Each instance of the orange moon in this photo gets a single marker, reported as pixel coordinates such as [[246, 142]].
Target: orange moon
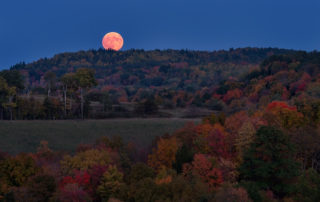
[[112, 40]]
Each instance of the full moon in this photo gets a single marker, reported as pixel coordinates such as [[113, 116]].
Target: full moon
[[112, 40]]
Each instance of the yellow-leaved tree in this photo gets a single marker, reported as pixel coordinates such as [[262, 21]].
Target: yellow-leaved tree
[[165, 153], [84, 160]]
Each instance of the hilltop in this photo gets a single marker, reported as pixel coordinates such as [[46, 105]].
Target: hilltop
[[147, 68]]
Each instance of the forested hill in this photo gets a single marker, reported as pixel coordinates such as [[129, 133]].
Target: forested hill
[[152, 68], [133, 82]]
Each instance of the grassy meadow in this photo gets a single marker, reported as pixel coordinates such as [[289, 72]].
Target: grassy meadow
[[65, 135]]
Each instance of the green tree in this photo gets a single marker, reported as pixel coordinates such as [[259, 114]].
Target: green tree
[[144, 190], [269, 163], [308, 186], [112, 184], [69, 82], [11, 102], [13, 78], [85, 160], [183, 155], [140, 171], [7, 95], [85, 79], [15, 171]]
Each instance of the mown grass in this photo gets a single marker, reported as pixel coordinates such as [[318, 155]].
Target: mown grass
[[66, 135]]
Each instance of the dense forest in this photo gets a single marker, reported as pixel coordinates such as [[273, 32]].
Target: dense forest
[[100, 84], [261, 141]]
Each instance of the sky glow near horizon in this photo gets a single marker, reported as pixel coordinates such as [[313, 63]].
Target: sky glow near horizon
[[30, 30]]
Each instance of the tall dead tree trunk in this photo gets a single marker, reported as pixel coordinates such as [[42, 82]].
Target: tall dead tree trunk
[[81, 94], [49, 90], [65, 100]]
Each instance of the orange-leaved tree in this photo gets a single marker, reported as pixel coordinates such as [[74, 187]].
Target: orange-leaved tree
[[165, 153], [283, 115]]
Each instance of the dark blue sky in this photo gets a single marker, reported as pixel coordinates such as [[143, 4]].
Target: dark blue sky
[[31, 29]]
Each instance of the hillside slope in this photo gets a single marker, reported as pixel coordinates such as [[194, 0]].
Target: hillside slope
[[167, 83], [132, 72]]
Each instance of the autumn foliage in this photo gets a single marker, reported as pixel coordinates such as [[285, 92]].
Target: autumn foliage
[[258, 139], [165, 153], [283, 115]]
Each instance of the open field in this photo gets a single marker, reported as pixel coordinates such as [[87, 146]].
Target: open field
[[25, 136]]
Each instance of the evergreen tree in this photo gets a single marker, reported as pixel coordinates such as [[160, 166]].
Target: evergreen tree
[[269, 163]]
